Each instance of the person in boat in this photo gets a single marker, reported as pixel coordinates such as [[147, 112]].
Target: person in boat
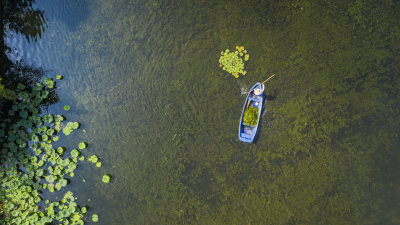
[[259, 90]]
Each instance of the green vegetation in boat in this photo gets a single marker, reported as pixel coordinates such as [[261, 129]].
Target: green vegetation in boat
[[250, 116]]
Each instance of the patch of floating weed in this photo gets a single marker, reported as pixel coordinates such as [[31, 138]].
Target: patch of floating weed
[[24, 176], [233, 62]]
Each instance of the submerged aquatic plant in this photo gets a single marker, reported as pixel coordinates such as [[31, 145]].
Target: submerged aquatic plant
[[233, 62]]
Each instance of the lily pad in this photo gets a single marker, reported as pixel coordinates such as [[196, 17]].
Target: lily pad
[[49, 82], [50, 132], [106, 178], [98, 164], [75, 153], [35, 138], [59, 77], [95, 218], [48, 118], [23, 114], [63, 182], [93, 158], [67, 107], [67, 131], [21, 86], [75, 125], [60, 150], [82, 145]]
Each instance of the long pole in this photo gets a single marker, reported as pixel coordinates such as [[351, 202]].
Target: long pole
[[268, 78]]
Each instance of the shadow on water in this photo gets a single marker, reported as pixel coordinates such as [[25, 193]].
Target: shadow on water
[[21, 17], [267, 98]]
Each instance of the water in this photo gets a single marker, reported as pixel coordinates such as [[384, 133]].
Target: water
[[143, 79]]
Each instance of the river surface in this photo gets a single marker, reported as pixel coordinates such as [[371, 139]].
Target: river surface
[[143, 79]]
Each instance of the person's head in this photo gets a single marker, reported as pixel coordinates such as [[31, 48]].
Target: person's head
[[259, 90]]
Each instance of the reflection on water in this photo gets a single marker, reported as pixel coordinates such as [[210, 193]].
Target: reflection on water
[[142, 77]]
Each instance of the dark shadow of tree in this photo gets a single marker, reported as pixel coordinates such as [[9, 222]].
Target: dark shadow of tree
[[20, 17]]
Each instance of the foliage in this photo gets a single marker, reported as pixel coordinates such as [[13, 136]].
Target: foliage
[[67, 107], [6, 93], [24, 176], [106, 178], [250, 116], [233, 62], [82, 145], [95, 218], [93, 158]]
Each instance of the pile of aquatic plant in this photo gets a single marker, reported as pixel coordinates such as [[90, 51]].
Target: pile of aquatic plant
[[233, 62], [250, 116], [31, 162]]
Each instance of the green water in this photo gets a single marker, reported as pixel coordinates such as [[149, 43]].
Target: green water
[[143, 79]]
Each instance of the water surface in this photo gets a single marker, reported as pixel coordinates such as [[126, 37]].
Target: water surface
[[143, 79]]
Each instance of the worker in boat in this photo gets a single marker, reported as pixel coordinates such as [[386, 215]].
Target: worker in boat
[[259, 90]]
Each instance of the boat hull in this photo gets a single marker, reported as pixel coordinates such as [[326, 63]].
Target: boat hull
[[247, 133]]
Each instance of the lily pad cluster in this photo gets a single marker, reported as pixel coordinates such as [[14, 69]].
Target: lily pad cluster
[[71, 126], [30, 161], [250, 116], [233, 62]]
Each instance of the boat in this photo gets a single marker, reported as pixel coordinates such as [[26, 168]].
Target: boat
[[255, 98]]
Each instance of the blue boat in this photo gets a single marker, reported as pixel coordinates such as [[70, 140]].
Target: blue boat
[[255, 98]]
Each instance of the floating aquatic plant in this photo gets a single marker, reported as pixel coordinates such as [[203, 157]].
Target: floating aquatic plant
[[23, 176], [98, 164], [49, 82], [95, 218], [71, 126], [59, 77], [75, 153], [67, 107], [106, 178], [55, 138], [233, 62], [82, 145], [93, 158]]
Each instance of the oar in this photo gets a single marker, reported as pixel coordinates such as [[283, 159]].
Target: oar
[[268, 78], [263, 81]]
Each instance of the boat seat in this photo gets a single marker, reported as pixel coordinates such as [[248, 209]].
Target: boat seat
[[246, 135], [251, 127], [255, 99]]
